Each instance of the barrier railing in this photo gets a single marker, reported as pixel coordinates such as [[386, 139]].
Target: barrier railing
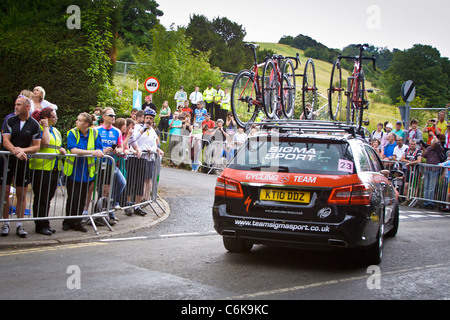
[[421, 182], [142, 181], [429, 183], [206, 153], [50, 195]]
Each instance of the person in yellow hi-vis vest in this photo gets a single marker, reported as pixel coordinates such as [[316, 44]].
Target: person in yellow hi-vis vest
[[208, 97], [46, 171], [80, 171], [226, 104], [180, 97], [218, 96]]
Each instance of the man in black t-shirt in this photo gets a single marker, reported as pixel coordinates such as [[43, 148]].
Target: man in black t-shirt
[[149, 103], [21, 136]]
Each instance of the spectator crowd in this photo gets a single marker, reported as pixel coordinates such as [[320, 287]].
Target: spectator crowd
[[31, 129], [406, 148], [198, 120]]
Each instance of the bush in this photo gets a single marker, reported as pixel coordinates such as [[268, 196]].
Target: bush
[[71, 65]]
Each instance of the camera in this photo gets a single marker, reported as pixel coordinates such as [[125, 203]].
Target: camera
[[114, 146]]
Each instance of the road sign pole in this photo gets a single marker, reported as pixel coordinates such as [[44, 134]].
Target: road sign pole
[[407, 115], [408, 94]]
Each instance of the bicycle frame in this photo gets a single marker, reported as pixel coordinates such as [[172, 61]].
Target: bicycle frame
[[256, 92], [358, 102], [256, 82], [275, 75]]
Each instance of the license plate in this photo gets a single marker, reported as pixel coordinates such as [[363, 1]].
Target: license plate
[[285, 196]]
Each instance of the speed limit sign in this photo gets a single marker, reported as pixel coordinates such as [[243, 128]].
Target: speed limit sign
[[152, 85]]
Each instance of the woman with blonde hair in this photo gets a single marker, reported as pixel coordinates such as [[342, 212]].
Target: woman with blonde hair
[[39, 99]]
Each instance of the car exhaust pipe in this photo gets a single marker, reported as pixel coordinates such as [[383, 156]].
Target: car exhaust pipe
[[337, 243], [229, 233]]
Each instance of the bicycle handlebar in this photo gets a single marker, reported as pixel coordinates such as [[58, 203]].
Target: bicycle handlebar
[[296, 59], [361, 58], [253, 47]]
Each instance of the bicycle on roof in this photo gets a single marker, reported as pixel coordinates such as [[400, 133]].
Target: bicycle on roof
[[357, 94], [272, 93]]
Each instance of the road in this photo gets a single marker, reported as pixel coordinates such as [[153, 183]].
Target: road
[[183, 259]]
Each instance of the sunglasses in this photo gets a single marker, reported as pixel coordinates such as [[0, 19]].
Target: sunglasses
[[111, 115]]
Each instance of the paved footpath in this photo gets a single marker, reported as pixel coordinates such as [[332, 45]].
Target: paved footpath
[[125, 225]]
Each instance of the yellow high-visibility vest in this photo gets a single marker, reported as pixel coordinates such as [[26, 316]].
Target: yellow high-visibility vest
[[208, 95], [218, 95], [70, 161], [226, 102], [48, 164]]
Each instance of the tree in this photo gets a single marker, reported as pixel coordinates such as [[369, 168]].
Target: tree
[[223, 38], [138, 18], [174, 62], [37, 48], [422, 64]]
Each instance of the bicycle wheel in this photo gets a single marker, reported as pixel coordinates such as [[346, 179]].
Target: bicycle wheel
[[243, 94], [335, 91], [358, 100], [270, 89], [309, 90], [288, 88]]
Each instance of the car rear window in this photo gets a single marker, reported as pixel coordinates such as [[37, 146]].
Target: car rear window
[[295, 155]]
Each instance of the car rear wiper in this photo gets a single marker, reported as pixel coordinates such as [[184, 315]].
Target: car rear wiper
[[280, 168]]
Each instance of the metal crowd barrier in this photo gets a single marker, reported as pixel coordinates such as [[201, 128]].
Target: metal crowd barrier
[[142, 180], [421, 182], [429, 183], [211, 156], [47, 195]]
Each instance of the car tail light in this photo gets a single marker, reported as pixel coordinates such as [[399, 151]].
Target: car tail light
[[358, 194], [361, 194], [340, 196], [228, 188]]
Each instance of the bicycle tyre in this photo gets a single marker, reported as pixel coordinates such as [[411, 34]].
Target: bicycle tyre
[[335, 91], [309, 90], [270, 89], [358, 108], [243, 92], [288, 89]]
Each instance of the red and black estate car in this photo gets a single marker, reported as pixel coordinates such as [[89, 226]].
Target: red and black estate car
[[315, 185]]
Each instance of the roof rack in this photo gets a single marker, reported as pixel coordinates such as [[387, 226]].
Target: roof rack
[[303, 126]]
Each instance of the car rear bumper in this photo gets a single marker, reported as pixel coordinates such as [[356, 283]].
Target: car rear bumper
[[358, 229]]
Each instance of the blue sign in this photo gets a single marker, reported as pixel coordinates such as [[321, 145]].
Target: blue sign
[[137, 100]]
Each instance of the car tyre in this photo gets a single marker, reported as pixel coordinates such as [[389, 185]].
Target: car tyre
[[237, 245], [394, 230], [374, 254]]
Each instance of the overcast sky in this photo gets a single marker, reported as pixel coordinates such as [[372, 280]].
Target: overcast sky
[[336, 24]]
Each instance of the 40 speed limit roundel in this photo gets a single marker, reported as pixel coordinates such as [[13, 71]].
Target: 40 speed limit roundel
[[152, 85]]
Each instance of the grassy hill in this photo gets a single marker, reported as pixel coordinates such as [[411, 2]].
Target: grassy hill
[[378, 111]]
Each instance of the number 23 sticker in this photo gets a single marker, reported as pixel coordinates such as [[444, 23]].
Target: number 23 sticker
[[346, 166]]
